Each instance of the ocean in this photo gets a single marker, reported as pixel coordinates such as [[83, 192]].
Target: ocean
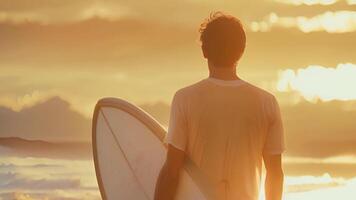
[[36, 178]]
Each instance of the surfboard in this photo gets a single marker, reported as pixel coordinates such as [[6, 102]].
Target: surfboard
[[129, 153]]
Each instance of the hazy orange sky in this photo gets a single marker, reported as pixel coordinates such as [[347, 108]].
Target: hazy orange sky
[[143, 51]]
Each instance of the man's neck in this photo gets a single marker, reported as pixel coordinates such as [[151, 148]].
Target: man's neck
[[223, 72]]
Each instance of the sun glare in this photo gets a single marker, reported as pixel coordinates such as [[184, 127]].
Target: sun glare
[[331, 22], [318, 82], [314, 2], [323, 187]]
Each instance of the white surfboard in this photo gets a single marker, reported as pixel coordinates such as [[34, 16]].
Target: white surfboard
[[129, 153]]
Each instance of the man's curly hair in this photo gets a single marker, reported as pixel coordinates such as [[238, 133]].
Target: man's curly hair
[[222, 38]]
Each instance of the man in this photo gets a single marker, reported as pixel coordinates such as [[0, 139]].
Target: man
[[224, 125]]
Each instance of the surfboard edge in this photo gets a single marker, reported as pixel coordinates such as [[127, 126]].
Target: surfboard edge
[[135, 112]]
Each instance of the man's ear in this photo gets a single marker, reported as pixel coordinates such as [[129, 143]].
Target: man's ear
[[205, 54]]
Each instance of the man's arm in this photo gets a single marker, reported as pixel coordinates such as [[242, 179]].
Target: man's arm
[[168, 178], [274, 176]]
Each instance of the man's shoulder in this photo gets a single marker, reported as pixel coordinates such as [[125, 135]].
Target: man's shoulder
[[260, 92], [190, 89], [199, 87]]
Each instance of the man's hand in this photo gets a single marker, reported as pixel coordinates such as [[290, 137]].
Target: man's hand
[[168, 178], [274, 177]]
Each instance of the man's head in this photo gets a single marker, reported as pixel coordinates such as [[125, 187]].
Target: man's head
[[223, 39]]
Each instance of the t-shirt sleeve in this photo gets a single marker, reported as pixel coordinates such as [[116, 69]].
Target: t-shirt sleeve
[[274, 143], [177, 129]]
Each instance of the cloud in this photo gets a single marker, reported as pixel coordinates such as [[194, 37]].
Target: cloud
[[51, 120], [54, 120], [24, 101], [60, 11], [317, 82], [331, 22], [188, 13], [315, 2], [88, 43], [17, 18]]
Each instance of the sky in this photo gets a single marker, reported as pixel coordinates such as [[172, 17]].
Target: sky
[[59, 57]]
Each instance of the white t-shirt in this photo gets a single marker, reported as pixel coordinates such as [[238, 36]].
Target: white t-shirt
[[224, 127]]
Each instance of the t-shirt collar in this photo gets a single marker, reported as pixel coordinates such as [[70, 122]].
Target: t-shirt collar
[[217, 81]]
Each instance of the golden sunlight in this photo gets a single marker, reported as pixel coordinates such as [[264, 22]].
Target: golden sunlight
[[314, 2], [331, 22], [318, 82], [179, 62], [316, 187]]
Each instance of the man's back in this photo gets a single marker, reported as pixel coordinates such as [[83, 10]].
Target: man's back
[[224, 127]]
